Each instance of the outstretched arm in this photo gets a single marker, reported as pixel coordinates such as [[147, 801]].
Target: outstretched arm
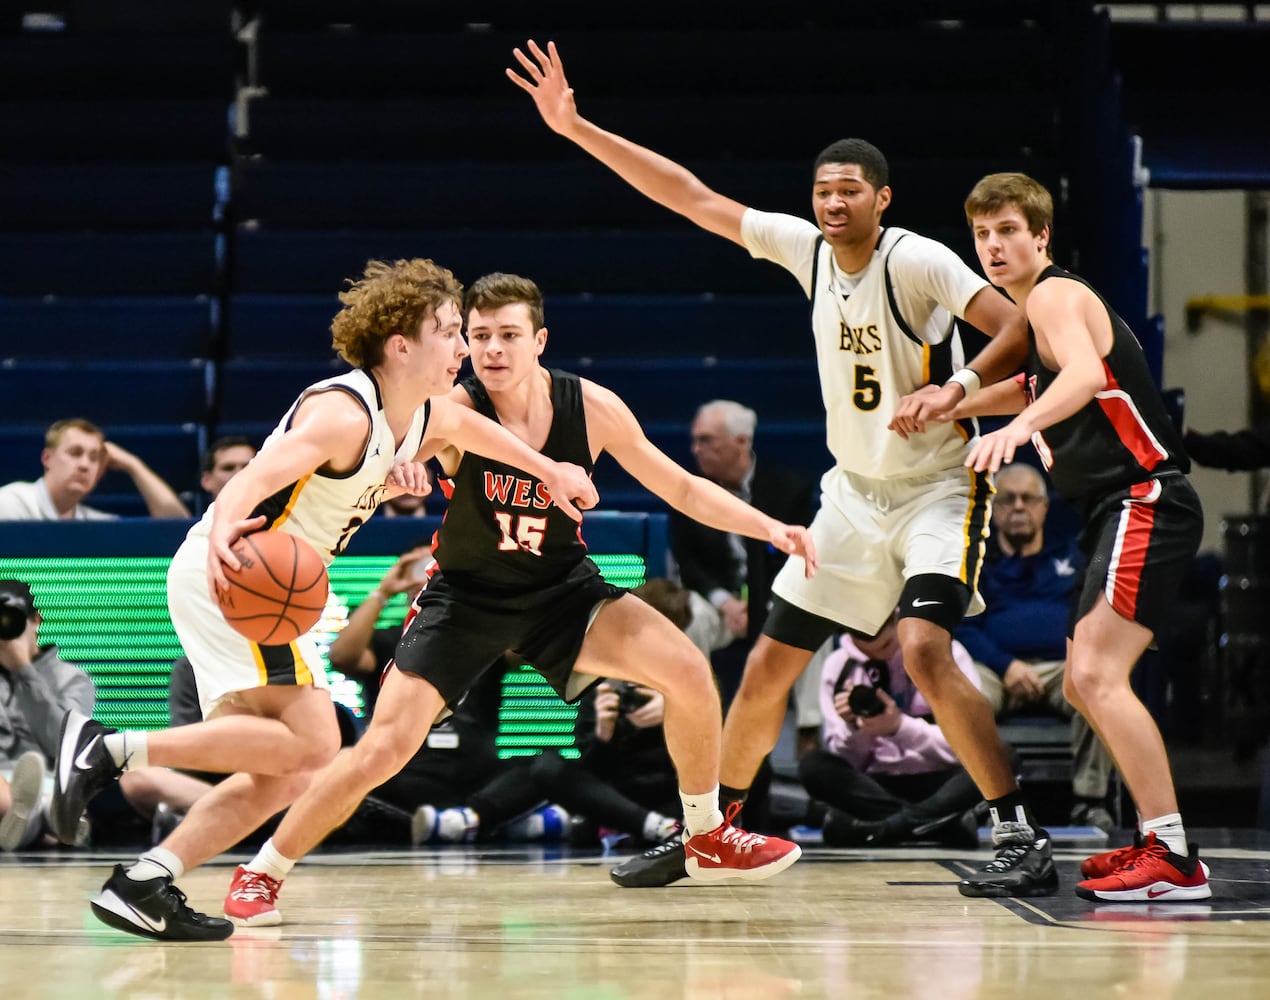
[[613, 428], [1001, 320], [458, 425], [1063, 332], [652, 174]]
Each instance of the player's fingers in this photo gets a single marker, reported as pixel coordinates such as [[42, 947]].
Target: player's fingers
[[568, 507], [543, 58]]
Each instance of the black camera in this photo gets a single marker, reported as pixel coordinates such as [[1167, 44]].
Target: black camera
[[629, 697], [12, 617], [865, 702]]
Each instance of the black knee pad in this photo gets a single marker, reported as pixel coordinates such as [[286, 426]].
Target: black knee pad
[[936, 598]]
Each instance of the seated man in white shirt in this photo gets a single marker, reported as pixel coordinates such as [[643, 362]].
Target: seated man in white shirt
[[76, 454]]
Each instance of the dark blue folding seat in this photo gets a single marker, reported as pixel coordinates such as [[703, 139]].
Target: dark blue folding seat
[[160, 130], [171, 263], [106, 392], [111, 197], [681, 260], [259, 392], [134, 327]]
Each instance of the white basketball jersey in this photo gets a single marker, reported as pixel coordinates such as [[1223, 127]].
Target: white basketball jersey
[[324, 509], [880, 333]]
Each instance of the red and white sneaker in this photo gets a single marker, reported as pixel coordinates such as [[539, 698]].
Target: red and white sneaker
[[728, 852], [1152, 874], [253, 899], [1102, 865]]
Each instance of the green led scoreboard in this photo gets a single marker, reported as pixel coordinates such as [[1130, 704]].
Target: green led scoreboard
[[102, 591]]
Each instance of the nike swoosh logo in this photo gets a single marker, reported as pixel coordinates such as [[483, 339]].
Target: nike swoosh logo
[[82, 762], [709, 857], [158, 926], [1156, 894], [917, 603]]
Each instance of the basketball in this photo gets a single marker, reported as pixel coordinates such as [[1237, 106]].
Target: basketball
[[280, 591]]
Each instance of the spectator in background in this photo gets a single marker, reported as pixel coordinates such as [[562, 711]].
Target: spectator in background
[[360, 650], [222, 461], [76, 454], [1020, 642], [735, 573], [887, 772], [1234, 451], [37, 687], [624, 779]]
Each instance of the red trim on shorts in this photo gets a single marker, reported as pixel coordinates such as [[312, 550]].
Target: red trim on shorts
[[1137, 523]]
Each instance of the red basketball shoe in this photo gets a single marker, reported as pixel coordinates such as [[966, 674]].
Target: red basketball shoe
[[1102, 865], [728, 852], [253, 899], [1152, 874]]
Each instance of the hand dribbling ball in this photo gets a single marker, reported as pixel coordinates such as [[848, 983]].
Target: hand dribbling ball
[[280, 591]]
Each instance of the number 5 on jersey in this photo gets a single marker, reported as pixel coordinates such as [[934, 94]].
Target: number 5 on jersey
[[868, 390]]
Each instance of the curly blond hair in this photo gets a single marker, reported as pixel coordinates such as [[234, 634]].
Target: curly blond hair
[[389, 299]]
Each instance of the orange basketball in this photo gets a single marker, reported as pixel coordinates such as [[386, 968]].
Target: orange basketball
[[280, 591]]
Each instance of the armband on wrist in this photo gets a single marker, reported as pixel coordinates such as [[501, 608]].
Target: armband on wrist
[[378, 596], [968, 379]]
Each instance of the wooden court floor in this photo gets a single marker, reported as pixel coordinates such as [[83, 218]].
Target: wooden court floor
[[472, 922]]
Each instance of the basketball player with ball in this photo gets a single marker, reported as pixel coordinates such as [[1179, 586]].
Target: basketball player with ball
[[346, 444], [514, 574]]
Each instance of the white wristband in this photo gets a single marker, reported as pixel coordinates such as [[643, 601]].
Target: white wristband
[[968, 379]]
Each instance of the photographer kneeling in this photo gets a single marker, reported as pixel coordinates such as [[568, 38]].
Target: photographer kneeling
[[887, 774]]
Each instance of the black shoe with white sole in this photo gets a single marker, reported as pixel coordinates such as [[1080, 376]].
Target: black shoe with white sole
[[84, 767], [155, 908], [662, 865]]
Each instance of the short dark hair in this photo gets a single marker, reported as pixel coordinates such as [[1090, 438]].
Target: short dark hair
[[498, 289], [863, 154], [219, 445]]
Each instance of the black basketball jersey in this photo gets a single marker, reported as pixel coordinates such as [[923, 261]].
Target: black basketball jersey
[[1120, 437], [501, 532]]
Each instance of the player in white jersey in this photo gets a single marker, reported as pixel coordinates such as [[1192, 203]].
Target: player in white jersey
[[901, 520], [346, 445]]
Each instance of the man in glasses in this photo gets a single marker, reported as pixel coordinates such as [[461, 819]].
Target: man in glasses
[[1020, 643]]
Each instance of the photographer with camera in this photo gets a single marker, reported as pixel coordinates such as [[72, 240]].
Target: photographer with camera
[[887, 774], [37, 687]]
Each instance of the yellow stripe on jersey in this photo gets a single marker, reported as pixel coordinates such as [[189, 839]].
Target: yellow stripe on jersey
[[291, 501], [975, 527], [262, 671], [303, 675], [925, 364]]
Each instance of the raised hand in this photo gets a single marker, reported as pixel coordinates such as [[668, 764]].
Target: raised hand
[[545, 82]]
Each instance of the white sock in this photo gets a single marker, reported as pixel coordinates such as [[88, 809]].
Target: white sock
[[701, 812], [129, 749], [1169, 831], [156, 863], [268, 861]]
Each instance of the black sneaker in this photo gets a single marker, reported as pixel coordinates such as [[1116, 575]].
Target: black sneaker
[[959, 830], [155, 908], [1023, 865], [656, 867], [84, 767]]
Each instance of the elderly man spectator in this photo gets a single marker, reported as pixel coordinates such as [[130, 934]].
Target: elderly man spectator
[[76, 454]]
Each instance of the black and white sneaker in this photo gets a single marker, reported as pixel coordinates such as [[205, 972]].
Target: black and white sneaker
[[155, 908], [662, 865], [84, 767], [1024, 865]]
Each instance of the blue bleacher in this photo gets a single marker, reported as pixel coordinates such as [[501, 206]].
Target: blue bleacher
[[113, 197], [159, 130], [106, 392], [133, 327], [88, 264]]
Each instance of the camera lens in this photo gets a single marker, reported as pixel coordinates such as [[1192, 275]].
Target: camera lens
[[12, 620], [864, 701]]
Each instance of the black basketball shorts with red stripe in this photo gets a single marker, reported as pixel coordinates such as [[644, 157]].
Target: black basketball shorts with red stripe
[[1139, 543]]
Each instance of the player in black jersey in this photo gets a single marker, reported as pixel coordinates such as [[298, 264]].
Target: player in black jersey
[[512, 574], [1088, 403]]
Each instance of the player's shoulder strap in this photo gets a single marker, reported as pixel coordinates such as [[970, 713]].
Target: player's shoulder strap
[[898, 316]]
